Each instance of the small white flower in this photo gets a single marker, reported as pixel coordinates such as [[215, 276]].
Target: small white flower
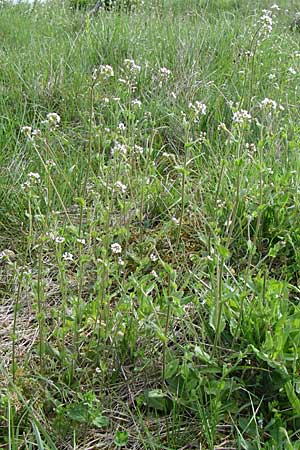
[[275, 7], [154, 273], [53, 118], [138, 149], [241, 116], [106, 71], [121, 187], [116, 248], [121, 126], [153, 257], [50, 163], [26, 131], [175, 220], [292, 71], [268, 103], [121, 262], [59, 239], [119, 149], [132, 66], [67, 256], [34, 175], [36, 133], [80, 241], [199, 108], [165, 72], [136, 103]]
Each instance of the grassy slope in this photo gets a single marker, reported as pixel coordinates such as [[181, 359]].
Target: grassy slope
[[192, 337]]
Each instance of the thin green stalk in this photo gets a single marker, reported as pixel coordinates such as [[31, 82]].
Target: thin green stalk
[[14, 332], [218, 303], [40, 316]]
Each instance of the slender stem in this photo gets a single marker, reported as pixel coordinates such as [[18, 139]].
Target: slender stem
[[40, 310], [166, 329], [14, 333], [183, 183], [218, 304]]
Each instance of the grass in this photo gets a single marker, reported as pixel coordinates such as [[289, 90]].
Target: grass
[[149, 227]]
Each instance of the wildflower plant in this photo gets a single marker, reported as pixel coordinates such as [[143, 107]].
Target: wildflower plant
[[149, 223]]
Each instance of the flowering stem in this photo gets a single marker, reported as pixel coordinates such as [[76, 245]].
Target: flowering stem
[[183, 184]]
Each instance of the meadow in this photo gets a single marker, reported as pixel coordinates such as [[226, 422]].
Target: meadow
[[150, 226]]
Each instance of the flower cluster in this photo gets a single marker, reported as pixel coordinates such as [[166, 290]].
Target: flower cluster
[[30, 133], [121, 187], [267, 103], [116, 248], [199, 108], [52, 120], [241, 116], [34, 179], [104, 71], [119, 149]]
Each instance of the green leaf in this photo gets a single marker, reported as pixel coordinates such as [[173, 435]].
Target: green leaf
[[100, 421], [171, 368], [121, 438], [156, 399], [213, 320], [39, 441], [78, 412], [223, 251]]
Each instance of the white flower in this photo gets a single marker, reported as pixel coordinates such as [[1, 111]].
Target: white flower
[[119, 148], [266, 24], [292, 71], [136, 103], [27, 131], [53, 118], [80, 241], [222, 126], [153, 257], [34, 178], [275, 7], [175, 220], [121, 126], [59, 239], [67, 256], [202, 137], [121, 262], [50, 163], [132, 66], [268, 103], [138, 149], [116, 248], [120, 186], [106, 71], [154, 274], [165, 72], [199, 108], [35, 133], [241, 116]]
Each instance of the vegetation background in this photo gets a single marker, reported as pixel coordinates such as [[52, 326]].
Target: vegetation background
[[149, 220]]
